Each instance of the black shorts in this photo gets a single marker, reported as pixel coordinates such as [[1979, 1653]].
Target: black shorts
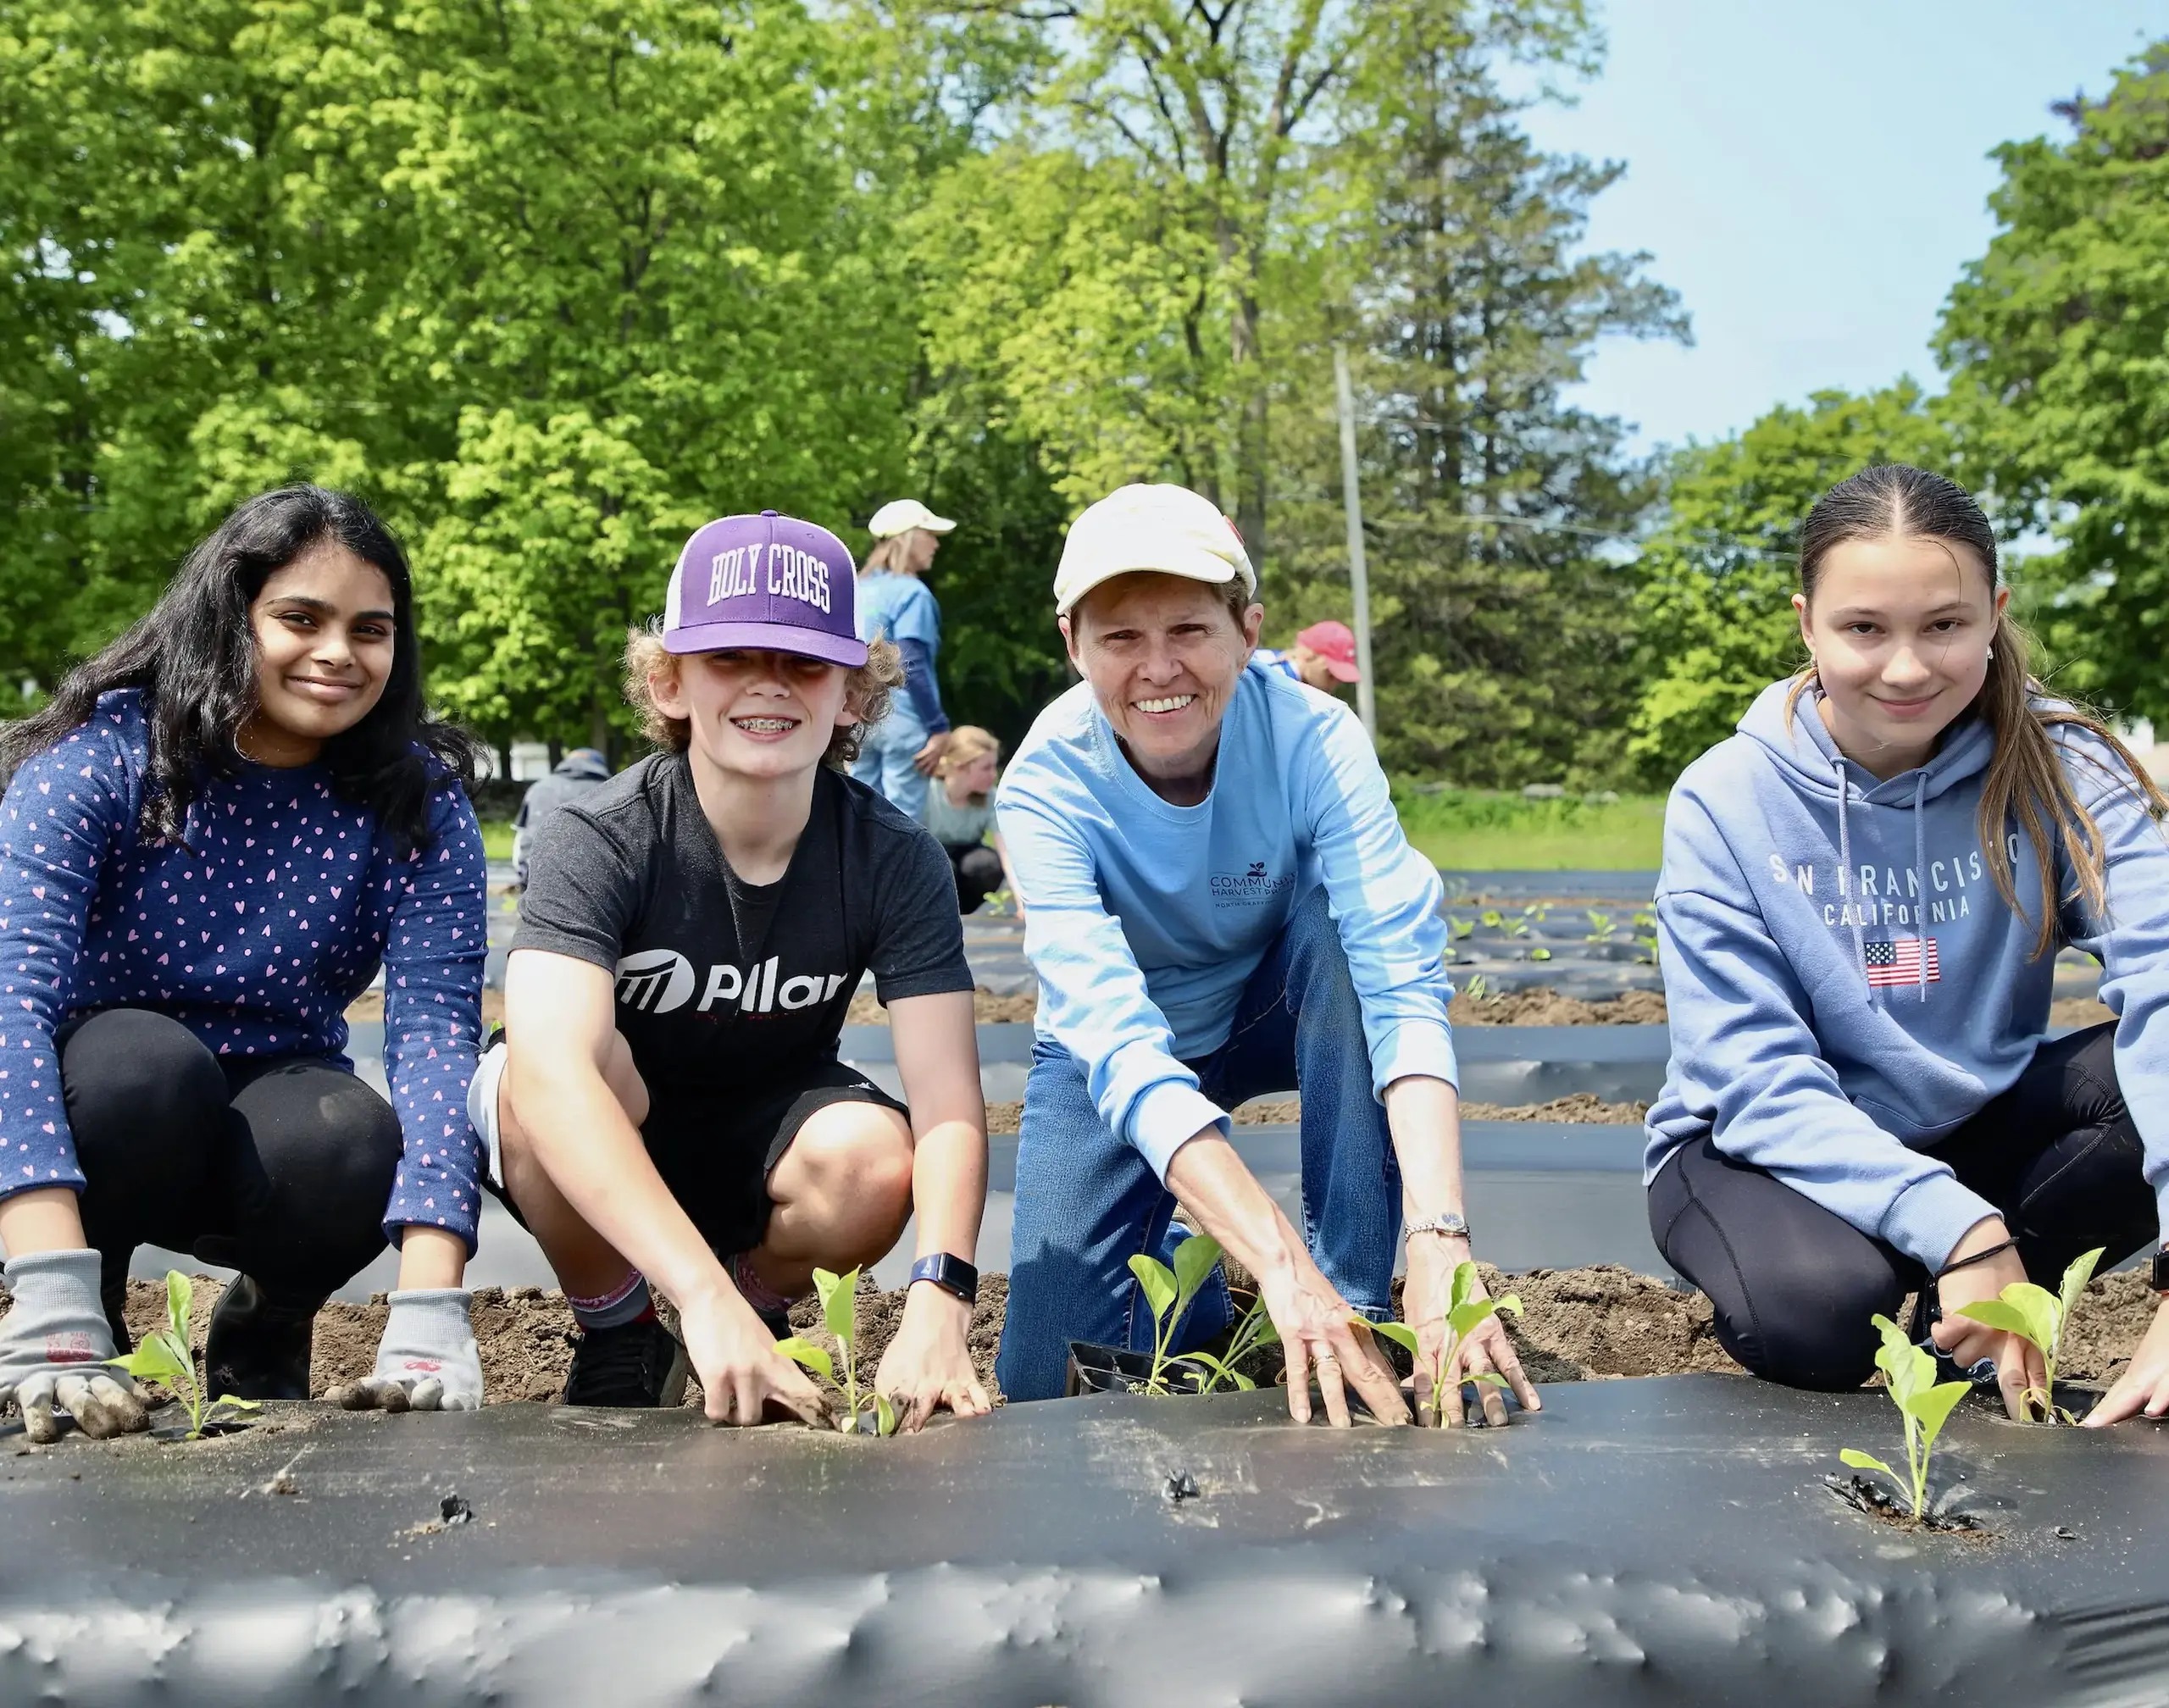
[[715, 1150]]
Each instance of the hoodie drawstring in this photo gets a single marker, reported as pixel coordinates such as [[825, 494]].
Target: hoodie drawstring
[[1846, 872], [1921, 879]]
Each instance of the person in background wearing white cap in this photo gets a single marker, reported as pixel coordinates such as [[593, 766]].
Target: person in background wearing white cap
[[1323, 656], [666, 1106], [1221, 905], [895, 605]]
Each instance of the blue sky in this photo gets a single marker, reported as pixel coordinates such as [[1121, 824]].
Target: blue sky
[[1811, 178]]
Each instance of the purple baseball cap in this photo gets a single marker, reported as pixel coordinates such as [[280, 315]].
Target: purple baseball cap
[[769, 582]]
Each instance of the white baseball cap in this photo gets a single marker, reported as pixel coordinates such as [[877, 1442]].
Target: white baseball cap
[[901, 515], [1169, 529]]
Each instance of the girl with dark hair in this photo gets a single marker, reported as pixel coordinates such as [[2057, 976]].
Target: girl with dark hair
[[212, 838], [1862, 897]]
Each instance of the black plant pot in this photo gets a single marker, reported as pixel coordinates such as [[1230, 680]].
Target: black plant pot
[[1112, 1370]]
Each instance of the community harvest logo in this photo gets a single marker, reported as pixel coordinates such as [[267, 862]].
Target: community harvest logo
[[1252, 888]]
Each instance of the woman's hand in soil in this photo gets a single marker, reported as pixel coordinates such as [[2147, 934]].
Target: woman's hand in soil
[[53, 1342], [1316, 1332], [1486, 1348], [2144, 1384], [2018, 1361], [427, 1360], [928, 1363], [743, 1375]]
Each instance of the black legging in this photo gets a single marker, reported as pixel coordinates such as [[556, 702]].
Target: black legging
[[979, 872], [1794, 1286], [278, 1167]]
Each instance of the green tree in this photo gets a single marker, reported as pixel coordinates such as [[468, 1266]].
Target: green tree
[[1500, 610], [1714, 616], [2054, 341]]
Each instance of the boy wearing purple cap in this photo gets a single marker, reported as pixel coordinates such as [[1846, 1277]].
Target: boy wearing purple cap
[[667, 1108]]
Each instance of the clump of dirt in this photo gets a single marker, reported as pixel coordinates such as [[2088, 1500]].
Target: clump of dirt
[[1544, 1007], [989, 1008], [1605, 1320], [369, 1005]]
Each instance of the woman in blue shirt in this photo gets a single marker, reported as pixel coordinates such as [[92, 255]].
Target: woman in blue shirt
[[214, 836], [895, 605], [1222, 904]]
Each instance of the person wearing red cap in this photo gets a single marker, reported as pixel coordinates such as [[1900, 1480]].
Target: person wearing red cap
[[1323, 656]]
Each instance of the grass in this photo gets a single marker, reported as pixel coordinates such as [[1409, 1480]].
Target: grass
[[497, 839], [1472, 830]]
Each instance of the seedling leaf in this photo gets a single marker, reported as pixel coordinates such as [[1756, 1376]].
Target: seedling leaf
[[1195, 1259], [1998, 1314], [885, 1416], [181, 1302], [1400, 1334], [1932, 1410], [2075, 1279], [1159, 1283], [836, 1291], [1867, 1461], [801, 1350]]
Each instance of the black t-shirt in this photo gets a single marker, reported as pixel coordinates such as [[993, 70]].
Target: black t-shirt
[[725, 985]]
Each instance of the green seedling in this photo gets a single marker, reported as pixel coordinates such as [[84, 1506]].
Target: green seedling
[[840, 1310], [1538, 910], [163, 1356], [2039, 1318], [1600, 926], [1478, 987], [1465, 1310], [1493, 917], [1518, 927], [1463, 930], [1923, 1402], [1647, 943], [1645, 921], [1254, 1331], [1539, 954], [1168, 1292]]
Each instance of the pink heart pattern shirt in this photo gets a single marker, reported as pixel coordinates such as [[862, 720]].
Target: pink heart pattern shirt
[[256, 931]]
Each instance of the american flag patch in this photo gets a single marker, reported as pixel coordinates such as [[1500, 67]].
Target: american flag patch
[[1898, 962]]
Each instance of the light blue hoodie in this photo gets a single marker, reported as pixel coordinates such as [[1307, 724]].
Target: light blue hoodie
[[1790, 873]]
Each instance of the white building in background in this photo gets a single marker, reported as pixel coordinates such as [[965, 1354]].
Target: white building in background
[[531, 761]]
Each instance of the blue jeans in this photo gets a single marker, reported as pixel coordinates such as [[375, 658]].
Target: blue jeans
[[1087, 1202], [885, 758]]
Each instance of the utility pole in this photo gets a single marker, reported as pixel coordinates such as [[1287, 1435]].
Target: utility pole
[[1359, 575]]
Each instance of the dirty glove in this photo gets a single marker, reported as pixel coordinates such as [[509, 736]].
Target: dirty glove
[[427, 1360], [53, 1342]]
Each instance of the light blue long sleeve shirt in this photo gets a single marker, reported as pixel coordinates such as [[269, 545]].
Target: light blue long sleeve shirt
[[1845, 985], [1145, 920]]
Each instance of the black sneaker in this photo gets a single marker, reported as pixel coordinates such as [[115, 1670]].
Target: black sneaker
[[258, 1346], [638, 1364]]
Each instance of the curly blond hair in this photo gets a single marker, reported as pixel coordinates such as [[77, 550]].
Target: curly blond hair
[[865, 690]]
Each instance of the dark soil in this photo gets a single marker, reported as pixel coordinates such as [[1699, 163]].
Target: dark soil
[[1577, 1325]]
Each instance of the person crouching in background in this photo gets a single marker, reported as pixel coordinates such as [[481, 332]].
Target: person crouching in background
[[960, 812]]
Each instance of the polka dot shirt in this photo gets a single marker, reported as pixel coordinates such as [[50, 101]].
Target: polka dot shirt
[[255, 935]]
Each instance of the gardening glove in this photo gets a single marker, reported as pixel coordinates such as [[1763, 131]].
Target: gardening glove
[[427, 1360], [53, 1342]]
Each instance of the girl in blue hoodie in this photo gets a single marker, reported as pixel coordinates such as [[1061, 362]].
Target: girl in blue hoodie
[[1863, 894]]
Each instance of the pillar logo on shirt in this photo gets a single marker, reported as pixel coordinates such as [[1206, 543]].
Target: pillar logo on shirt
[[1251, 889], [657, 981]]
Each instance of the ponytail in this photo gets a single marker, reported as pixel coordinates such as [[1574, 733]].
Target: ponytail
[[2028, 781]]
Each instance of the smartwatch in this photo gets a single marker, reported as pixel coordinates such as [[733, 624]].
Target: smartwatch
[[2161, 1276], [950, 1274]]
